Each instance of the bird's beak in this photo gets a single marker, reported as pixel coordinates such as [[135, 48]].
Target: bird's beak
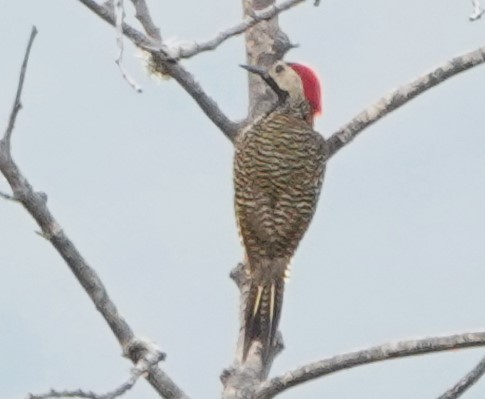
[[263, 73], [256, 70]]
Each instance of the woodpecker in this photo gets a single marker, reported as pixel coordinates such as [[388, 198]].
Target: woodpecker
[[278, 173]]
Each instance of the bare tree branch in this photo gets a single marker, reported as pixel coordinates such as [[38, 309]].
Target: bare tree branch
[[106, 13], [36, 204], [466, 382], [143, 15], [17, 104], [401, 96], [311, 371], [80, 393], [250, 20], [141, 369], [171, 67]]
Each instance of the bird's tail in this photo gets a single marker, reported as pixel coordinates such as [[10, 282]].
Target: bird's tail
[[262, 314]]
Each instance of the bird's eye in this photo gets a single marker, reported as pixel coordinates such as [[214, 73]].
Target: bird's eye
[[279, 68]]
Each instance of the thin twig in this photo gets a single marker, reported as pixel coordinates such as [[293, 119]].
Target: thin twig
[[17, 104], [401, 96], [143, 15], [249, 22], [119, 11], [140, 370], [477, 11], [80, 393], [7, 196], [311, 371], [36, 204], [466, 382]]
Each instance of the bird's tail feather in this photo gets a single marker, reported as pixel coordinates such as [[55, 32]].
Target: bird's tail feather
[[262, 314]]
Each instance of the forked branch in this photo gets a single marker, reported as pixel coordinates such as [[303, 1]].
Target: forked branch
[[36, 204], [141, 369], [249, 21], [143, 15], [171, 67]]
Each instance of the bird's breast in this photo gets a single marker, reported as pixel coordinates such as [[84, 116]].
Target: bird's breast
[[278, 158]]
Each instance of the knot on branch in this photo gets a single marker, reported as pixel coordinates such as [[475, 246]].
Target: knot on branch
[[143, 353], [42, 197], [240, 382]]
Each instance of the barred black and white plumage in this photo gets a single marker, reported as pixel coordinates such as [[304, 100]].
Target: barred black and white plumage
[[278, 174]]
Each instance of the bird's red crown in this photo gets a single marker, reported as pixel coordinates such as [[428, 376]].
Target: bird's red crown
[[311, 86]]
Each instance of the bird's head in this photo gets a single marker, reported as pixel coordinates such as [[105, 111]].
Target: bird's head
[[293, 83]]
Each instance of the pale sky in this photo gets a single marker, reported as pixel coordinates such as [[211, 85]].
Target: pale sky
[[142, 183]]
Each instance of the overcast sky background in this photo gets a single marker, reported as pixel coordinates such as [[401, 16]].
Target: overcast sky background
[[143, 185]]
